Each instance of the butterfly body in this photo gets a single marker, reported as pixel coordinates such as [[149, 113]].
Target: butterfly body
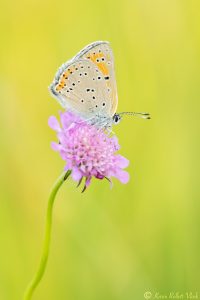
[[86, 85]]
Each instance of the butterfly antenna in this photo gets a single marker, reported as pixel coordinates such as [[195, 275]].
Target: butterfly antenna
[[143, 115]]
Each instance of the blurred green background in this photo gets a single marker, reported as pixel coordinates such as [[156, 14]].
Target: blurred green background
[[106, 244]]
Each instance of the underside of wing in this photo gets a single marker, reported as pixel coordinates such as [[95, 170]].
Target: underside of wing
[[81, 88], [87, 83], [101, 55]]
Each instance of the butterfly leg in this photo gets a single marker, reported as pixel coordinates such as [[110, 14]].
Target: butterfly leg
[[110, 131]]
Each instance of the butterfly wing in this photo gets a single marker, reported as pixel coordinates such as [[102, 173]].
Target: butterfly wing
[[86, 83], [101, 55]]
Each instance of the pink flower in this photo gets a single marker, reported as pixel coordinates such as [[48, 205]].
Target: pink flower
[[88, 151]]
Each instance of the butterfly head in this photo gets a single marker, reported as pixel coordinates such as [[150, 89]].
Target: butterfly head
[[116, 118]]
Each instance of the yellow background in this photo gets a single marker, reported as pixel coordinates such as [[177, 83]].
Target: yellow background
[[106, 244]]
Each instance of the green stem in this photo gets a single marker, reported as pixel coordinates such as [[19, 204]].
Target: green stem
[[45, 250]]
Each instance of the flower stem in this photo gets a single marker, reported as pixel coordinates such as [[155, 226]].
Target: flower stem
[[47, 237]]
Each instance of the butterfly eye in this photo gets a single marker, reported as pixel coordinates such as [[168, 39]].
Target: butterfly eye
[[116, 118]]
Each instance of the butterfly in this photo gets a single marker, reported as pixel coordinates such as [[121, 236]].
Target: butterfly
[[86, 85]]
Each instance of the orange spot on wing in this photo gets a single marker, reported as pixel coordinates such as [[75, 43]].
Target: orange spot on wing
[[58, 87], [101, 65], [65, 75]]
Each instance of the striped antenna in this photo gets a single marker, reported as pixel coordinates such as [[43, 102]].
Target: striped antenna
[[143, 115]]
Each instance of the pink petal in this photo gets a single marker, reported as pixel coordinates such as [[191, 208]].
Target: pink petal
[[53, 123], [62, 138], [67, 118], [121, 161], [64, 119], [71, 126], [122, 175], [88, 180], [115, 142], [63, 154], [68, 166], [76, 174], [55, 146]]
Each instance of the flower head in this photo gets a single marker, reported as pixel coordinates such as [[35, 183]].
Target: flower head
[[88, 151]]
